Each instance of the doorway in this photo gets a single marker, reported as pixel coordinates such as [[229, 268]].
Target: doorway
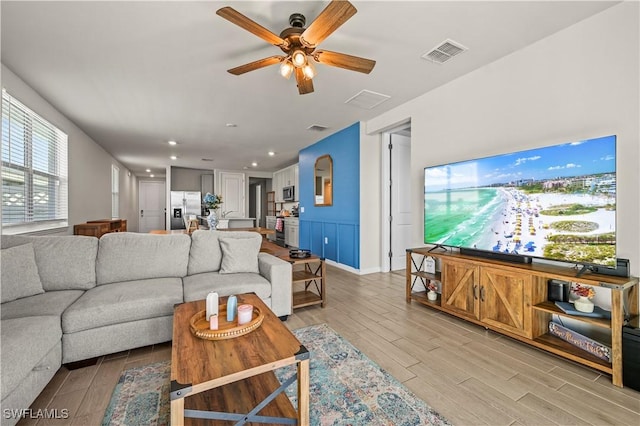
[[397, 196], [151, 201], [258, 200], [232, 191]]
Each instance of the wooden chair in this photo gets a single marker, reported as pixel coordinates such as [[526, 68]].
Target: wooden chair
[[192, 225]]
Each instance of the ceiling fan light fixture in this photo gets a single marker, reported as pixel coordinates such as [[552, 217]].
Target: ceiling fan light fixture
[[298, 58], [309, 70], [286, 69]]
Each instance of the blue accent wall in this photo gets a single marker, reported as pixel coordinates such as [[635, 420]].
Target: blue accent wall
[[333, 231]]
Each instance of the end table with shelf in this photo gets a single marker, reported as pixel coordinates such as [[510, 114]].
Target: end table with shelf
[[311, 273]]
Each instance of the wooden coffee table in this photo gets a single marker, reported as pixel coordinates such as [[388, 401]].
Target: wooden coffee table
[[233, 379]]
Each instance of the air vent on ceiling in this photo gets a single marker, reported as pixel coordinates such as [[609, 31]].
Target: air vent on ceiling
[[207, 159], [367, 99], [317, 128], [444, 52]]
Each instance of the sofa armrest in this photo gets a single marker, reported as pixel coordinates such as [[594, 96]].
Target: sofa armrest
[[278, 273]]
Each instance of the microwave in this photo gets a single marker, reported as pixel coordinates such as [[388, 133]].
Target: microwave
[[288, 193]]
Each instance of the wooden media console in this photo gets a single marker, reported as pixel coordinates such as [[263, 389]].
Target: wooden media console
[[511, 299]]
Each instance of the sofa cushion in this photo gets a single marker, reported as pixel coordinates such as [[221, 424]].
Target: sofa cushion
[[128, 256], [25, 342], [239, 255], [196, 287], [206, 254], [20, 276], [122, 302], [66, 262], [48, 303]]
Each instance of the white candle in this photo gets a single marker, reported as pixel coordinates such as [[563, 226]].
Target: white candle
[[213, 322], [212, 304], [245, 314]]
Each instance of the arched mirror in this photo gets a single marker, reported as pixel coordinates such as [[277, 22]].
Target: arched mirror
[[323, 181]]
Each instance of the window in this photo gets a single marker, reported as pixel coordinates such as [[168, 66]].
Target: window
[[34, 170], [115, 192]]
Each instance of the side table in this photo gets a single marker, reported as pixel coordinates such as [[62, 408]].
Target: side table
[[312, 275]]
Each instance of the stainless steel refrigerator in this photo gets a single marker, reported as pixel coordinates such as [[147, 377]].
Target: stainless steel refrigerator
[[183, 205]]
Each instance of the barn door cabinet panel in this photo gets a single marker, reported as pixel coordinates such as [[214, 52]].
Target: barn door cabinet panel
[[461, 294], [505, 300], [512, 299], [487, 294]]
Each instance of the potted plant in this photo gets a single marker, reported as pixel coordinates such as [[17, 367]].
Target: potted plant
[[585, 293], [432, 291]]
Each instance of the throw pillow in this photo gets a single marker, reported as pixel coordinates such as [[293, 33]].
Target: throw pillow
[[239, 255], [20, 276]]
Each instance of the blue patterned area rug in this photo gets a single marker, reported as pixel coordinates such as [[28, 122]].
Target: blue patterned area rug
[[346, 388]]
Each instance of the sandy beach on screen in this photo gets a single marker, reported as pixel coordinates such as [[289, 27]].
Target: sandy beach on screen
[[524, 210]]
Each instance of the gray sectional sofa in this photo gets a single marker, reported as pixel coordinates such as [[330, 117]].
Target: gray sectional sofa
[[71, 298]]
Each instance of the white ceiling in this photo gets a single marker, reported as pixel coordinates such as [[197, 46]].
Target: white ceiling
[[134, 75]]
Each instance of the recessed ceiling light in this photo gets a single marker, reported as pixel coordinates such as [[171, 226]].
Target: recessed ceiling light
[[271, 153], [173, 143], [173, 157], [148, 170], [231, 125], [254, 164], [151, 175]]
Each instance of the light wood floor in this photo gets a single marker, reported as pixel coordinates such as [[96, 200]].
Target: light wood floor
[[470, 375]]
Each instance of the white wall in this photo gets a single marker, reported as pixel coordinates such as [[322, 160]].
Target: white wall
[[370, 201], [184, 179], [89, 163], [579, 83]]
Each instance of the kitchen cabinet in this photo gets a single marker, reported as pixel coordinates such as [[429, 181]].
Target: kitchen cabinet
[[286, 177], [271, 224], [277, 186], [291, 232]]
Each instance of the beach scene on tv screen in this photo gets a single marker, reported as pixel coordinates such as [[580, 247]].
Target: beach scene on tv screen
[[556, 202]]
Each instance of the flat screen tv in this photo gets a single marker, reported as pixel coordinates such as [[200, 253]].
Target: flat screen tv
[[557, 202]]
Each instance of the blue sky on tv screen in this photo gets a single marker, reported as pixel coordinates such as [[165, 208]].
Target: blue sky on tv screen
[[588, 157]]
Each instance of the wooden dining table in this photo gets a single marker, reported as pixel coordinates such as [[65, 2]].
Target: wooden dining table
[[259, 229]]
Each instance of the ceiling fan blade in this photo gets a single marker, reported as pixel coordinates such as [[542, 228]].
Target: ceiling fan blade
[[333, 16], [251, 66], [233, 16], [305, 85], [342, 60]]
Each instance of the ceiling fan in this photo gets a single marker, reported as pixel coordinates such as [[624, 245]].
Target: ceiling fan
[[299, 44]]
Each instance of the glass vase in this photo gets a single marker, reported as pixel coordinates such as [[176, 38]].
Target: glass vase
[[212, 220]]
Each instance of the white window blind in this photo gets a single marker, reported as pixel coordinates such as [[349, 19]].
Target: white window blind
[[34, 170], [115, 192]]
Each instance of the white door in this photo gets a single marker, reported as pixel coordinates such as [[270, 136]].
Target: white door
[[151, 200], [400, 200], [232, 191]]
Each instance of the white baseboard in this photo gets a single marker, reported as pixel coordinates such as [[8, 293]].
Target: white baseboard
[[351, 269]]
